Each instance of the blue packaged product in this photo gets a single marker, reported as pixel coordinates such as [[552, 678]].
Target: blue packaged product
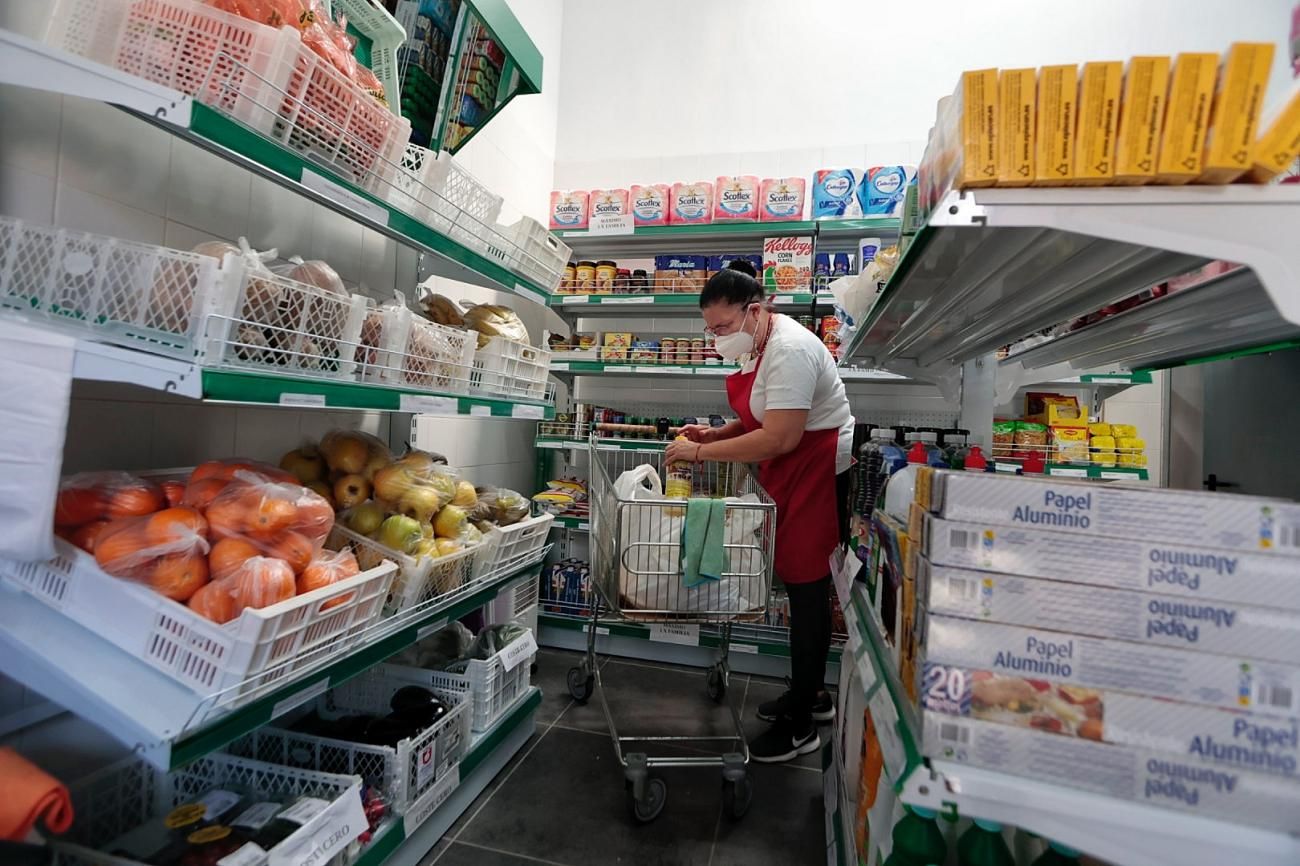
[[821, 264], [841, 264], [883, 188], [720, 263], [834, 193], [681, 263]]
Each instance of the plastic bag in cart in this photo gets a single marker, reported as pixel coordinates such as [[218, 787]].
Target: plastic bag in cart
[[650, 551]]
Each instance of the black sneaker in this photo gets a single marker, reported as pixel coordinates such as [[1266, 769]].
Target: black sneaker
[[823, 709], [781, 743]]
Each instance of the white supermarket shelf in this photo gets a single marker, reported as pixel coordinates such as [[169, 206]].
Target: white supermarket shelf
[[156, 715], [992, 266]]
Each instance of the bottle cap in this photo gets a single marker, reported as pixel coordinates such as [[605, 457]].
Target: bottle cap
[[975, 460], [1034, 464], [991, 826], [927, 436], [918, 454], [882, 433]]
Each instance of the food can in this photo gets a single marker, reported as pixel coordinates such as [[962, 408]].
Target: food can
[[584, 278], [606, 272], [697, 350], [668, 350]]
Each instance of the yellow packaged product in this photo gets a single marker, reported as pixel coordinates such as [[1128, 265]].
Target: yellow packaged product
[[1123, 430], [616, 346], [1099, 429], [1069, 445], [1234, 115], [1137, 460], [1017, 93], [1094, 154], [1187, 116], [1279, 143], [1103, 443], [1141, 118], [1104, 458], [1054, 126], [975, 109], [1130, 443]]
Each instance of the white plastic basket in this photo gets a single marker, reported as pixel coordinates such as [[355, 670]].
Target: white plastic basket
[[131, 793], [412, 352], [130, 294], [386, 36], [230, 63], [518, 604], [419, 580], [407, 773], [272, 322], [538, 255], [490, 687], [511, 368], [522, 541], [234, 663], [436, 190]]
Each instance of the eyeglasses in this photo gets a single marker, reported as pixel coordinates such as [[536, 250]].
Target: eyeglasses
[[735, 324]]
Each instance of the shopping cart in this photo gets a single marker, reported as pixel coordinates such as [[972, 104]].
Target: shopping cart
[[636, 570]]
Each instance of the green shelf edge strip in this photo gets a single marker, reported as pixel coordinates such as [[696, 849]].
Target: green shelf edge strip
[[248, 718], [831, 228], [641, 632], [688, 300], [253, 387], [1282, 346], [216, 127], [1137, 377], [395, 834]]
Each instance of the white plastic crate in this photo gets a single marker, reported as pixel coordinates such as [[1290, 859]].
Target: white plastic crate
[[235, 662], [538, 255], [407, 773], [230, 63], [523, 541], [491, 687], [131, 793], [518, 604], [511, 368], [410, 351], [135, 295], [419, 580], [272, 322], [436, 190], [386, 36]]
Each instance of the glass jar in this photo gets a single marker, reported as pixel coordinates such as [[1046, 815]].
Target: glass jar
[[606, 271], [640, 283], [584, 278], [622, 281]]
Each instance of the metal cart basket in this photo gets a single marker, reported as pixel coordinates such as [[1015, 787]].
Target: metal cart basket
[[636, 550]]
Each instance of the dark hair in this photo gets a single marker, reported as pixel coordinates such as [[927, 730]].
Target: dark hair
[[743, 266], [731, 286]]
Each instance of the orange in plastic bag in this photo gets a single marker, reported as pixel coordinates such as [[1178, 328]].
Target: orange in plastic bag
[[167, 550], [262, 582], [329, 567], [89, 496]]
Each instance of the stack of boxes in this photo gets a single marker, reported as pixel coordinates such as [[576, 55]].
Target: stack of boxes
[[423, 60], [1137, 643]]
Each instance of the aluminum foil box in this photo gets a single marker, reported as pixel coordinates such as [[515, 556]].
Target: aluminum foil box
[[1165, 568], [1244, 523], [1125, 772], [1165, 620], [1138, 669]]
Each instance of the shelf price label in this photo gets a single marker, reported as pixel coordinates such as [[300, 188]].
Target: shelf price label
[[520, 650], [324, 835], [574, 299], [886, 722], [844, 570], [525, 410], [629, 299], [1067, 472], [686, 635], [559, 365], [427, 404], [430, 800], [308, 400], [481, 410], [342, 195], [611, 224]]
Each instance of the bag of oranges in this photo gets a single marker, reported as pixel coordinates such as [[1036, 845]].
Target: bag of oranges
[[327, 568], [259, 581], [280, 519], [90, 496], [166, 550]]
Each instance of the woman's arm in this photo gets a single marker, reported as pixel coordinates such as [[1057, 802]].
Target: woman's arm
[[780, 434]]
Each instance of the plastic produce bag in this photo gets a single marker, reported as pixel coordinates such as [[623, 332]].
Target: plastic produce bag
[[258, 582], [415, 486], [442, 309], [326, 568], [281, 519], [166, 550], [494, 320], [650, 541], [493, 639], [445, 645], [91, 496], [510, 507], [312, 273], [210, 478], [352, 452]]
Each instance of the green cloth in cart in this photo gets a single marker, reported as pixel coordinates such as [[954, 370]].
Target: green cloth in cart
[[703, 532]]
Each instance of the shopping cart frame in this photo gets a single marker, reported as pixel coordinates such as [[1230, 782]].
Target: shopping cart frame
[[637, 575]]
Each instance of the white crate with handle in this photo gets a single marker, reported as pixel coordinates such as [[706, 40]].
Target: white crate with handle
[[402, 348], [538, 255], [234, 663], [511, 368], [409, 772]]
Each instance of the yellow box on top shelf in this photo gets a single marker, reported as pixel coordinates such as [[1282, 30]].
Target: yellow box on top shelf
[[975, 111], [1017, 94], [1099, 91], [1234, 116], [1141, 119], [1055, 125], [1279, 144], [1187, 116]]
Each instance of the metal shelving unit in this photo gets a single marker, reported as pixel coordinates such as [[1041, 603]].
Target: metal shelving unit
[[831, 235]]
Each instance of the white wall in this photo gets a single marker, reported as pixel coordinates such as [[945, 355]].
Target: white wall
[[770, 87], [88, 166]]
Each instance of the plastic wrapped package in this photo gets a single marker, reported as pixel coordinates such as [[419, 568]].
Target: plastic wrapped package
[[166, 550], [445, 645], [259, 581], [442, 309], [494, 320], [352, 452], [283, 519], [326, 568], [91, 496], [415, 487], [211, 477], [313, 273], [492, 639]]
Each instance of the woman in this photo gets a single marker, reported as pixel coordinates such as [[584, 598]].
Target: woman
[[795, 422]]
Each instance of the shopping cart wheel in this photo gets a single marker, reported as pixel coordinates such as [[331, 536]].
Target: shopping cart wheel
[[715, 686], [737, 794], [581, 684], [652, 800]]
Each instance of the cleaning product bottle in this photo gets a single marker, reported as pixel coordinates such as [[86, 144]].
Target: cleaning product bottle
[[878, 458], [930, 439], [983, 845], [918, 841], [677, 485], [974, 460], [901, 489], [1057, 855]]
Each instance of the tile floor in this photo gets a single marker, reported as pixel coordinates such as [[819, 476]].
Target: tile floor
[[560, 800]]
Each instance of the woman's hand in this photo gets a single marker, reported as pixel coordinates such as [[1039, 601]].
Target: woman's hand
[[699, 432], [682, 451]]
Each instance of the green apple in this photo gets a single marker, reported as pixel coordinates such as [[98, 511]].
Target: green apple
[[400, 532], [366, 517]]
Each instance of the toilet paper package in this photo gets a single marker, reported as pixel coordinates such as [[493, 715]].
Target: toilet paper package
[[780, 199], [569, 209], [835, 193], [735, 199], [608, 202], [883, 188], [1168, 569], [691, 203], [1164, 620], [649, 203]]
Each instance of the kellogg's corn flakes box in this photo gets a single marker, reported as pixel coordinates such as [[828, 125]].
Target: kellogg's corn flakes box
[[787, 264]]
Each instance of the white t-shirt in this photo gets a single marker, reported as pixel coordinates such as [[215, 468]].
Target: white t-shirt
[[798, 372]]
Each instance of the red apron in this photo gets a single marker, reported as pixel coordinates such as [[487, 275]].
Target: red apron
[[802, 484]]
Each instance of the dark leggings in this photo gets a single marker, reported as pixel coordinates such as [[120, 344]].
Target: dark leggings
[[810, 627]]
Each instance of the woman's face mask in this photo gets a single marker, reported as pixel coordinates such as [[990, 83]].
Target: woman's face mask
[[738, 342]]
